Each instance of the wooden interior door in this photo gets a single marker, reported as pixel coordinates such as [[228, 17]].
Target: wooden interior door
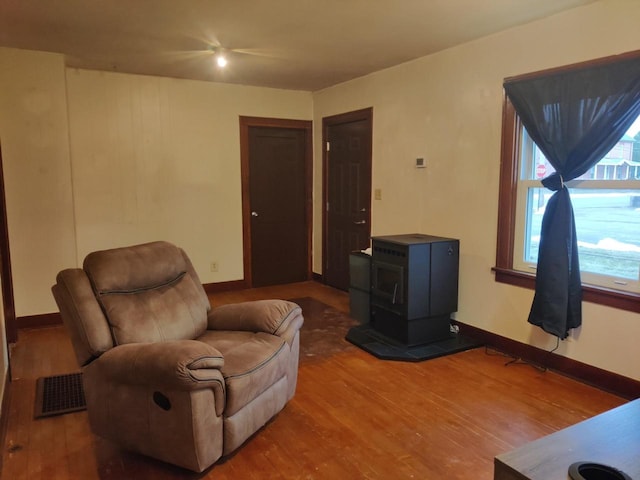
[[347, 192], [277, 209]]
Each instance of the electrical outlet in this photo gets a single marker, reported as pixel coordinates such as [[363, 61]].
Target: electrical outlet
[[214, 266]]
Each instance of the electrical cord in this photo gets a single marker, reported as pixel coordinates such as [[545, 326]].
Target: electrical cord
[[518, 360]]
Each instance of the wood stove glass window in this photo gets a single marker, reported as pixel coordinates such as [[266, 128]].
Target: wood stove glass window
[[388, 282]]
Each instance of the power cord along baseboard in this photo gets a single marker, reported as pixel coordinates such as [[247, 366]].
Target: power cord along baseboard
[[519, 360]]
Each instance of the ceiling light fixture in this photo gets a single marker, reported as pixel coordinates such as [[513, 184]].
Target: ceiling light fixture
[[219, 56], [221, 60]]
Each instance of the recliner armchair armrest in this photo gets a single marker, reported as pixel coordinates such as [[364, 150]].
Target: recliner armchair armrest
[[277, 317], [174, 365]]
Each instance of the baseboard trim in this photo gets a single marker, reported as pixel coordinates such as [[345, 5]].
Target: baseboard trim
[[316, 277], [37, 321], [612, 382], [4, 414], [225, 286]]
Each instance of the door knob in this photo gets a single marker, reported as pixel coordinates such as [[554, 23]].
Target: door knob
[[254, 214]]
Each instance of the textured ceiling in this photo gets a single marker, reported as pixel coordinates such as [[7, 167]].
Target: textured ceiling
[[292, 44]]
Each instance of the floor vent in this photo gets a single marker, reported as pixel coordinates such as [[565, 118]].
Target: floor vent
[[59, 394]]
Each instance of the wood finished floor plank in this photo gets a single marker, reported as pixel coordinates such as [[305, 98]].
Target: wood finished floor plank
[[79, 446], [402, 437], [353, 416], [340, 444], [16, 449]]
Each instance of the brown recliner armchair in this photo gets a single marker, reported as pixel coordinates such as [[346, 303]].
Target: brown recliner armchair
[[164, 374]]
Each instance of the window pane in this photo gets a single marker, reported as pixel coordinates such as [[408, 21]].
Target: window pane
[[608, 229], [607, 226], [537, 199], [534, 165], [621, 163]]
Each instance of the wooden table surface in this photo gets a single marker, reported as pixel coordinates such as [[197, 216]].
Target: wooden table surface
[[611, 438]]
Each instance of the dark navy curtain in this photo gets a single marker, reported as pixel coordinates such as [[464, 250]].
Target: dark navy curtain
[[575, 117]]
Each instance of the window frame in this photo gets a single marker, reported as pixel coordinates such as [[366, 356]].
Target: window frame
[[507, 210]]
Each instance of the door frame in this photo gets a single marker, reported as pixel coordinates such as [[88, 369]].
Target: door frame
[[327, 122], [245, 124], [10, 322]]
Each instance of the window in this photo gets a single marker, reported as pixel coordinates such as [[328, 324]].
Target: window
[[606, 205], [606, 202]]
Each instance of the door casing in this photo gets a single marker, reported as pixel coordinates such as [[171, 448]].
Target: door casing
[[11, 328]]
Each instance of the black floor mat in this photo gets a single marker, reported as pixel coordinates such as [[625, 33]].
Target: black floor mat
[[59, 394], [385, 348]]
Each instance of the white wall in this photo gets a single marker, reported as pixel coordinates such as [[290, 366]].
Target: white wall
[[34, 142], [95, 160], [159, 158], [34, 133], [447, 108]]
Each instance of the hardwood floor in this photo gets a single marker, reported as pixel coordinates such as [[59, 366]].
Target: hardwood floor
[[353, 416]]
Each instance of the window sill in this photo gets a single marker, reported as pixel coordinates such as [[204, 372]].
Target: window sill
[[611, 298]]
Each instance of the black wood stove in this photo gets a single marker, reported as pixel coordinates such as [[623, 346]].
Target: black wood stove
[[414, 287]]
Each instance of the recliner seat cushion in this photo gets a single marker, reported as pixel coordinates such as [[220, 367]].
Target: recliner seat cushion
[[253, 362]]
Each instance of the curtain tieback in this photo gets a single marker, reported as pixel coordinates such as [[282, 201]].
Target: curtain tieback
[[553, 182]]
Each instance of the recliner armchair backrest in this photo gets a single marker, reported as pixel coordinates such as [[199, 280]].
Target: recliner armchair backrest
[[143, 293], [148, 293]]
